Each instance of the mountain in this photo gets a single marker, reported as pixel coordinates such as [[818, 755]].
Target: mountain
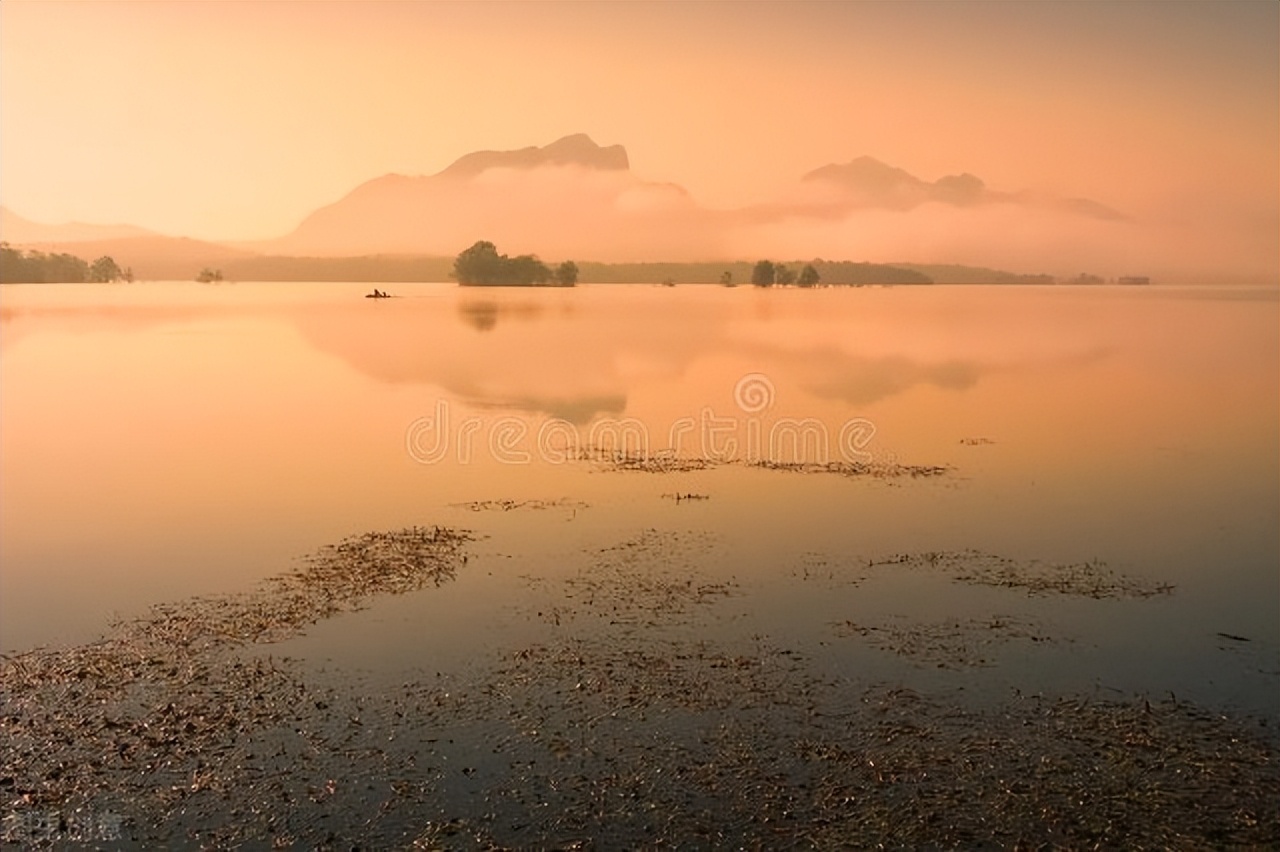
[[152, 258], [576, 199], [575, 150], [571, 198], [872, 183], [15, 229], [868, 183]]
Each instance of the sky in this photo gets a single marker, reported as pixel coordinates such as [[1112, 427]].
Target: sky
[[234, 120]]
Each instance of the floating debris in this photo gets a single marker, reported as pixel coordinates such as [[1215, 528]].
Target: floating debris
[[670, 462], [137, 722], [654, 578], [1093, 579], [179, 733], [662, 462], [1261, 656], [953, 644], [878, 470], [1038, 772], [513, 505]]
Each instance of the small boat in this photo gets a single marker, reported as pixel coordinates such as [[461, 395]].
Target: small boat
[[377, 294]]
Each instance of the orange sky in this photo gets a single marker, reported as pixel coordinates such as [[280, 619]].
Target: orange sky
[[236, 119]]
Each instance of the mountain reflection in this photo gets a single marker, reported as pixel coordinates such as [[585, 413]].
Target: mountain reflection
[[864, 381], [609, 351]]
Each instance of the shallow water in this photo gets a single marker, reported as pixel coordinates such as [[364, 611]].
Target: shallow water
[[161, 441]]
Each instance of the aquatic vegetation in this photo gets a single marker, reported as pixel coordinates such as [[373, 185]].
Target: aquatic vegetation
[[685, 497], [878, 470], [513, 505], [614, 731], [669, 462], [661, 462], [1093, 579], [951, 644]]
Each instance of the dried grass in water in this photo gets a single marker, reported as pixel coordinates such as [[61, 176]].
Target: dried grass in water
[[615, 733]]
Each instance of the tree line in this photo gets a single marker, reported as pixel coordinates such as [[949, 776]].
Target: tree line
[[766, 273], [830, 273], [37, 267], [482, 266]]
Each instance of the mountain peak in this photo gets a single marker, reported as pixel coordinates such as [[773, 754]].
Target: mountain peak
[[577, 149], [866, 173], [866, 182]]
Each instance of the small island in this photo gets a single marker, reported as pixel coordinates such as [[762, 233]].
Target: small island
[[482, 266]]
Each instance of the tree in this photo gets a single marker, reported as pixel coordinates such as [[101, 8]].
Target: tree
[[809, 276], [61, 267], [19, 267], [762, 275], [726, 278], [105, 270], [526, 270], [15, 267], [782, 275], [567, 274], [480, 264]]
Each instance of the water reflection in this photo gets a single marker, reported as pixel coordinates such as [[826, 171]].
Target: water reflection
[[579, 410], [870, 381], [483, 314], [166, 440]]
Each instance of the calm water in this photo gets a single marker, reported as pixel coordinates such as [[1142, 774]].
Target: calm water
[[167, 440]]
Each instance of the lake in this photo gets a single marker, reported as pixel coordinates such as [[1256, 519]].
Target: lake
[[979, 492]]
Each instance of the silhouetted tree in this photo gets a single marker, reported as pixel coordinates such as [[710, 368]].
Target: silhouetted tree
[[105, 270], [809, 276], [62, 267], [14, 266], [782, 275], [525, 270], [567, 274], [18, 267], [762, 275], [481, 265]]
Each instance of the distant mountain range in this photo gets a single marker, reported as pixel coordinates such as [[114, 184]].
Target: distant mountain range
[[867, 182], [15, 229], [576, 150], [150, 255], [573, 199]]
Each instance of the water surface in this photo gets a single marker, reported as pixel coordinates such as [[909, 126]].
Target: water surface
[[167, 440]]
